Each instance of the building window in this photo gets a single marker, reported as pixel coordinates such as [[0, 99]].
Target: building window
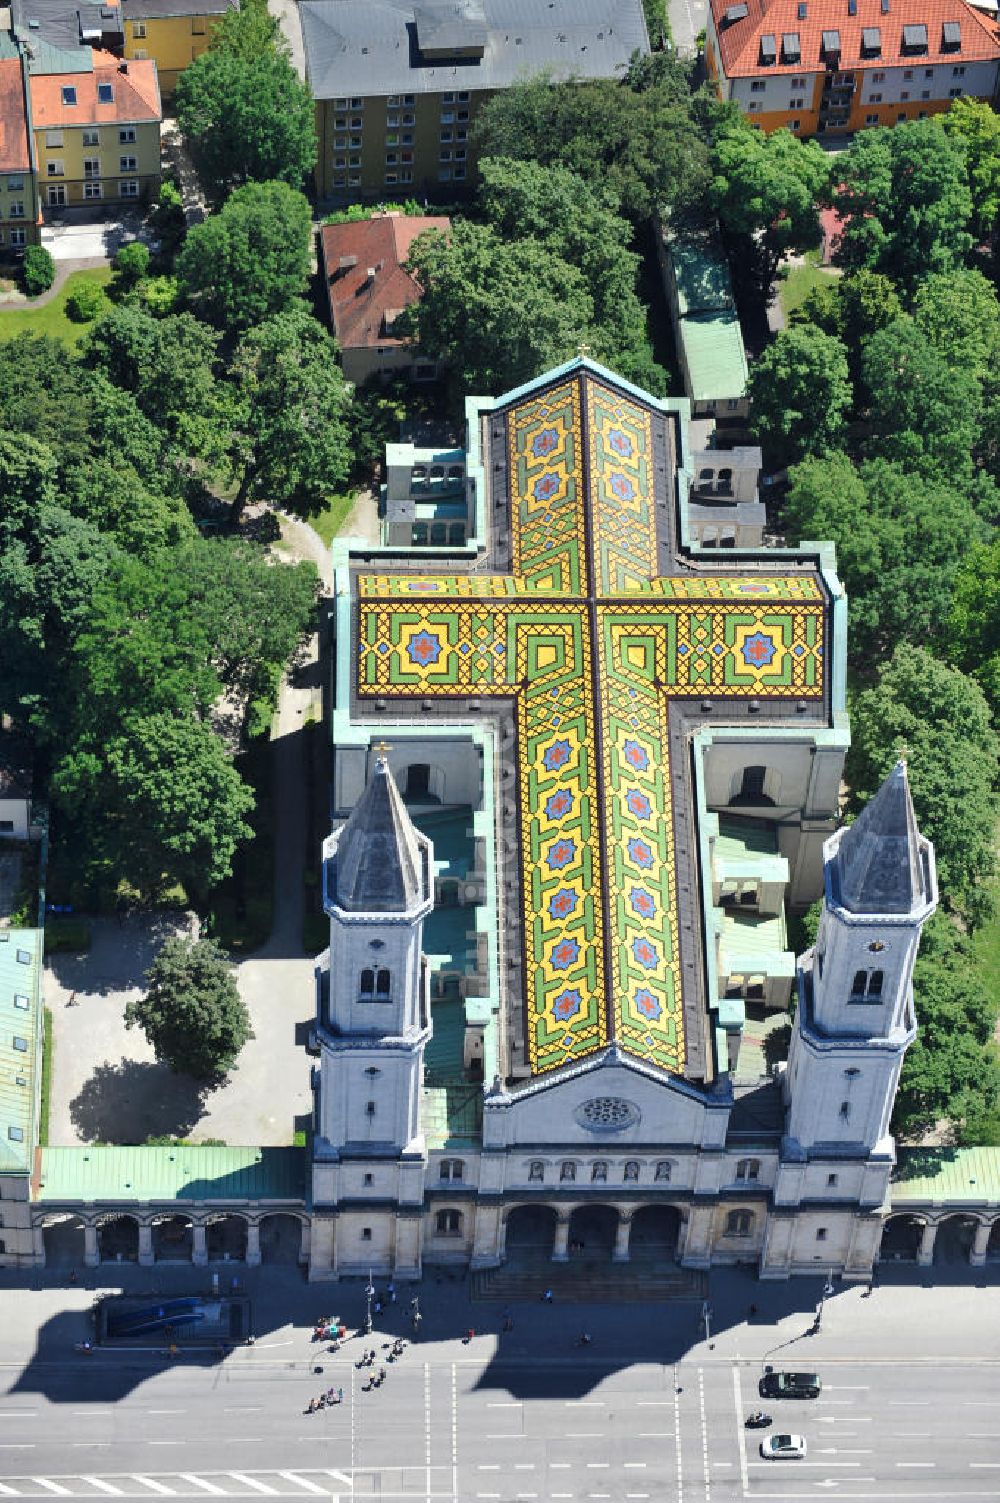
[[748, 1169], [56, 196], [20, 1044], [462, 115], [821, 1234], [751, 789], [408, 119], [15, 184], [91, 166], [458, 174], [55, 168], [900, 117], [871, 120], [445, 137], [127, 164], [16, 1134], [139, 29], [444, 175], [448, 1223], [367, 985], [831, 1181], [928, 72], [53, 138], [924, 94], [340, 104], [878, 78], [567, 1170], [406, 138], [340, 161], [368, 1180], [366, 1234], [105, 94], [907, 74], [409, 98], [536, 1171], [355, 161], [631, 1171], [69, 94], [392, 122], [867, 986], [954, 93], [126, 136], [958, 72], [796, 104], [357, 104], [357, 122], [462, 96], [904, 94], [599, 1170], [663, 1169], [445, 156], [845, 1111], [15, 211], [452, 1169], [758, 86], [739, 1223], [447, 117], [875, 99], [92, 190], [18, 237], [753, 105]]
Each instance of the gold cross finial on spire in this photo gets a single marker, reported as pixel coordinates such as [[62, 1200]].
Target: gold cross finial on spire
[[382, 747], [583, 349], [902, 751]]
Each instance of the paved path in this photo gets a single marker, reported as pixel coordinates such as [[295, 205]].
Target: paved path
[[287, 13], [687, 19], [64, 269]]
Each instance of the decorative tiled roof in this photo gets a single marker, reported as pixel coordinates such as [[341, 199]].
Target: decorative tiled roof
[[134, 94], [360, 306], [799, 27], [14, 155]]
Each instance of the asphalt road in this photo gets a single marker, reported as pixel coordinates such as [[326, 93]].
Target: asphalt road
[[445, 1429]]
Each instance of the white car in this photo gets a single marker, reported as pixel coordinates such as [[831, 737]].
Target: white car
[[783, 1447]]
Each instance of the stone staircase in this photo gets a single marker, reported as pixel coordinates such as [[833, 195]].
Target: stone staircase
[[526, 1275]]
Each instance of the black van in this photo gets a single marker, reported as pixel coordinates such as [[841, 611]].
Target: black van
[[790, 1386]]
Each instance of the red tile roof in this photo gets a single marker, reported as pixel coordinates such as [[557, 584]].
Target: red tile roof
[[14, 155], [358, 308], [739, 40], [136, 94]]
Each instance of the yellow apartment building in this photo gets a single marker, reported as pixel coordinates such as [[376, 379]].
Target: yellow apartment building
[[18, 199], [96, 132], [172, 33]]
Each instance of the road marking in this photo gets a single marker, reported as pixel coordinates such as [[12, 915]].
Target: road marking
[[507, 1404], [677, 1437], [164, 1442], [488, 1466], [524, 1466], [241, 1409], [560, 1466], [493, 1435], [454, 1434], [427, 1425], [768, 1465], [655, 1404], [847, 1387], [704, 1433], [16, 1445], [740, 1435], [209, 1487], [584, 1403], [982, 1466], [910, 1403], [53, 1487], [10, 1492], [338, 1477], [158, 1487], [19, 1414], [916, 1463], [104, 1487], [594, 1465], [583, 1434], [260, 1487], [166, 1411], [634, 1464], [310, 1487]]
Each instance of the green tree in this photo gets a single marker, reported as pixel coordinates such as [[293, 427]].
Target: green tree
[[974, 628], [975, 123], [497, 313], [959, 313], [924, 410], [904, 197], [169, 366], [868, 302], [900, 540], [952, 1072], [291, 437], [942, 721], [562, 213], [85, 303], [38, 270], [765, 190], [131, 264], [192, 1012], [250, 260], [636, 138], [169, 778], [799, 393]]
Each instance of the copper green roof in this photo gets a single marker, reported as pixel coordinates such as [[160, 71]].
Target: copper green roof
[[20, 1045], [153, 1174], [946, 1176]]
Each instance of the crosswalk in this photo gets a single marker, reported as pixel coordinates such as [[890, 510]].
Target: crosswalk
[[304, 1483]]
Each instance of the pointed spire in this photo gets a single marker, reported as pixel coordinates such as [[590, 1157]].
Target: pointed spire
[[379, 866], [881, 865]]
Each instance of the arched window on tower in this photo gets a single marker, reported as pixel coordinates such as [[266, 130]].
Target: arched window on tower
[[875, 984], [859, 986], [382, 985], [751, 789], [367, 985]]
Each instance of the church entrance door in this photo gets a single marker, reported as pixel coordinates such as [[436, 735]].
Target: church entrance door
[[655, 1233], [592, 1233], [531, 1229]]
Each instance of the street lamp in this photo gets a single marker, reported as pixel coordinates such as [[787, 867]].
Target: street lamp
[[706, 1315], [369, 1296], [827, 1291]]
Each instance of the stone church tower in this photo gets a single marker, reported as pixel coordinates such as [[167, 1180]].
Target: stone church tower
[[855, 1018], [373, 1022]]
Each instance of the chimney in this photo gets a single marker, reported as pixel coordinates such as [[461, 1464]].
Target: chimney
[[123, 67]]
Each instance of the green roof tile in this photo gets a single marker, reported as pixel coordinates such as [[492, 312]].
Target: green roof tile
[[196, 1173], [946, 1176]]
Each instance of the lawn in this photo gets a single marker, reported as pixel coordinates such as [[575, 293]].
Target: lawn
[[986, 950], [329, 522], [800, 282], [51, 317]]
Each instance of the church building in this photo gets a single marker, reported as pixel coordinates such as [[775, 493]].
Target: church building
[[586, 778]]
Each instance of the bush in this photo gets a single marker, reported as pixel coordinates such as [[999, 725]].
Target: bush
[[158, 296], [39, 270], [85, 303], [132, 263]]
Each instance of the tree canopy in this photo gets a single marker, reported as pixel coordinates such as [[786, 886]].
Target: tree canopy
[[765, 190], [244, 113], [192, 1012], [799, 394], [973, 639], [291, 441], [924, 409], [940, 719], [904, 196], [975, 123], [250, 260]]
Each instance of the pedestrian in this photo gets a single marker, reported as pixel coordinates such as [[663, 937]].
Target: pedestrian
[[391, 1292], [547, 1297], [378, 1307], [340, 1395], [752, 1312]]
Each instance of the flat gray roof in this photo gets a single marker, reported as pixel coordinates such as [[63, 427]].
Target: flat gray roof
[[371, 47]]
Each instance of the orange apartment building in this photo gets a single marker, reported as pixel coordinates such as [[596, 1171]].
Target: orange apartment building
[[828, 68]]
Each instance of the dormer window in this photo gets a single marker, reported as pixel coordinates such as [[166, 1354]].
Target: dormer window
[[914, 38], [791, 47], [951, 36], [871, 41], [105, 93], [831, 46], [768, 50]]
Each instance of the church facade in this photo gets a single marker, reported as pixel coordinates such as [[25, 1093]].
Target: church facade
[[586, 776]]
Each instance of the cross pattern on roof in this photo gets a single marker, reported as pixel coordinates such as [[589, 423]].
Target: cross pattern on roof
[[593, 646]]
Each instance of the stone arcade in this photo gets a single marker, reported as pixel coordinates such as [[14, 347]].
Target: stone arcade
[[586, 765]]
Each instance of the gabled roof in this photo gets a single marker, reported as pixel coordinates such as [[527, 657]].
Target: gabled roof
[[135, 94], [360, 306], [808, 20], [880, 857], [377, 47], [14, 156], [379, 863]]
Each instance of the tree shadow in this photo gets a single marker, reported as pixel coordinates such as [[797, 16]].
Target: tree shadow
[[134, 1100]]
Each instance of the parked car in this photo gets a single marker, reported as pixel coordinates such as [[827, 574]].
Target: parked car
[[790, 1386], [783, 1447]]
